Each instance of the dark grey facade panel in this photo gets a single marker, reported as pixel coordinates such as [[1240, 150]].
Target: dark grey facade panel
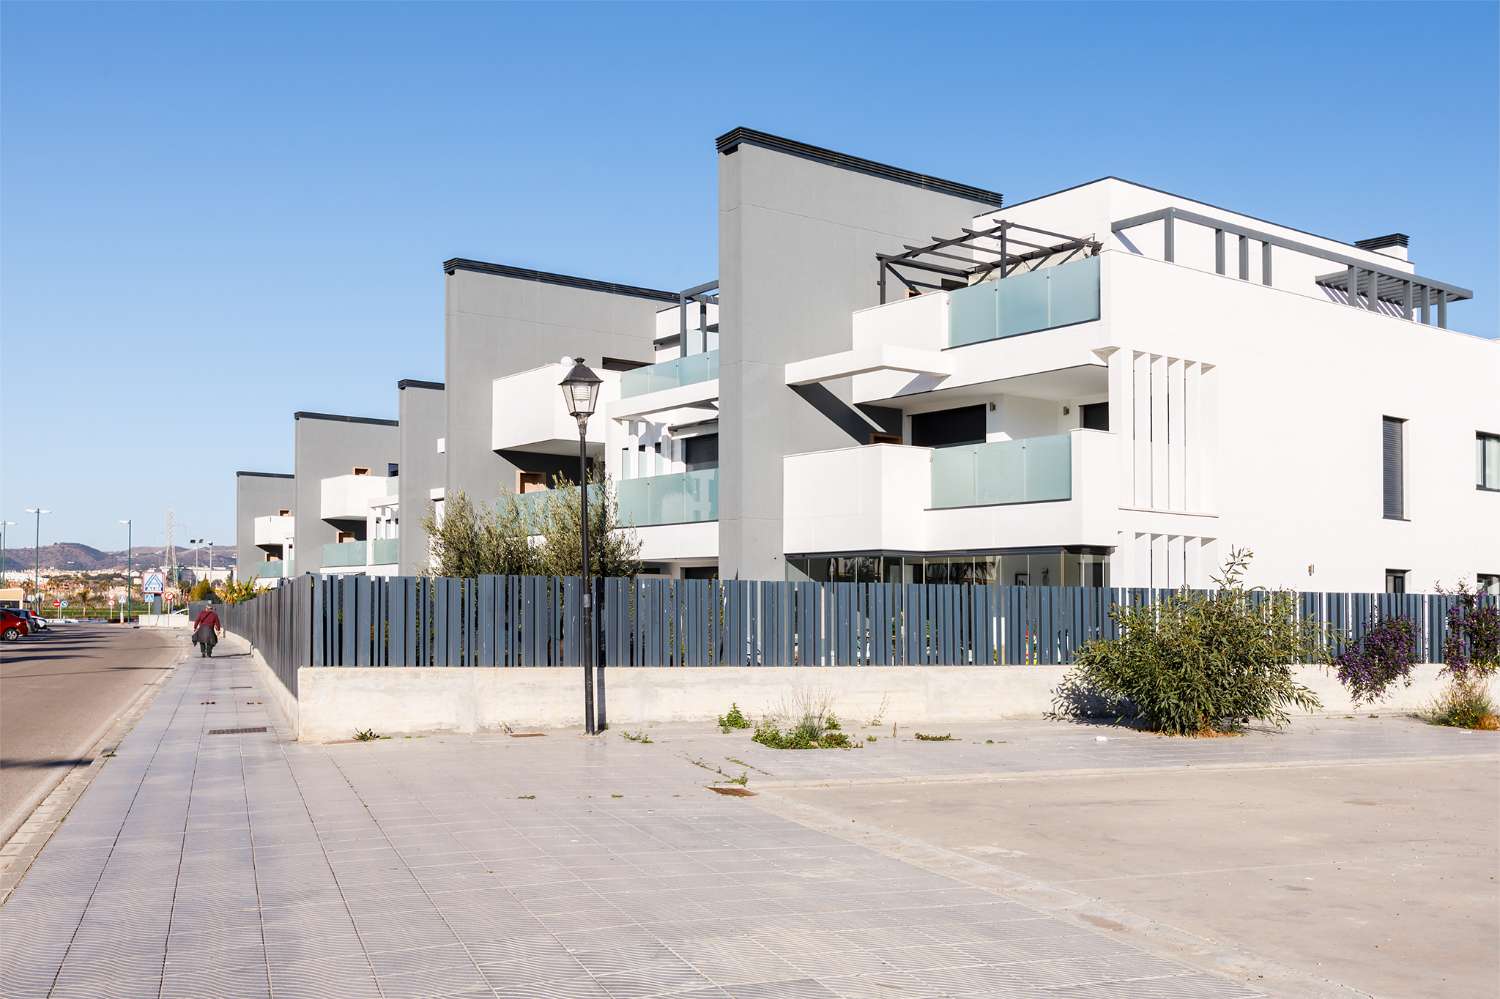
[[730, 141], [565, 280]]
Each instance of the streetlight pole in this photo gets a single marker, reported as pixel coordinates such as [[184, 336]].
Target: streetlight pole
[[4, 555], [581, 393], [210, 562], [36, 578], [129, 568]]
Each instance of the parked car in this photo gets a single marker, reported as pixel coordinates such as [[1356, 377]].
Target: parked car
[[13, 626], [34, 621]]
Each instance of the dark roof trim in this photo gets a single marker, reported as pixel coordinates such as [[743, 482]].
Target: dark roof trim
[[732, 140], [407, 383], [268, 475], [1382, 242], [1186, 197], [345, 419], [566, 280]]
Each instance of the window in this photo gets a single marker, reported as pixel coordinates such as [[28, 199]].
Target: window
[[1094, 416], [1487, 461], [1488, 582], [1395, 580], [701, 451], [1393, 467], [949, 427], [361, 470], [530, 482], [283, 513]]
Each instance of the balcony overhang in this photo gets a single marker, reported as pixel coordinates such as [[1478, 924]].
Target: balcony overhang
[[867, 360], [701, 396]]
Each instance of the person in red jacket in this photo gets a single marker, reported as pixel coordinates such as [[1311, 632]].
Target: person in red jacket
[[206, 630]]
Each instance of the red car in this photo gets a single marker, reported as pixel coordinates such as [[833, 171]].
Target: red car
[[12, 626]]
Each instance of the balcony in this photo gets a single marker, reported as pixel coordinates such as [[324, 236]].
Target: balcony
[[1030, 470], [682, 383], [1034, 492], [346, 555], [684, 498], [274, 531], [689, 370], [349, 497], [385, 551], [528, 413], [532, 506], [272, 570], [1024, 303]]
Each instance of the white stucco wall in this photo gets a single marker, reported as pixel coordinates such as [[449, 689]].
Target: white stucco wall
[[337, 701]]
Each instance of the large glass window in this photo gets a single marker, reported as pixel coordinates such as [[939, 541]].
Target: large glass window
[[1487, 461]]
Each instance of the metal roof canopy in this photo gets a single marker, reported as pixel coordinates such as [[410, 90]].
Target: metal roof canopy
[[1035, 250]]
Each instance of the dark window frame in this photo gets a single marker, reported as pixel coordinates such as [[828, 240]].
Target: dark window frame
[[1393, 471], [1481, 436]]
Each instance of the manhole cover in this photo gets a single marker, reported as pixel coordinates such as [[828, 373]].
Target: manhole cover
[[236, 731]]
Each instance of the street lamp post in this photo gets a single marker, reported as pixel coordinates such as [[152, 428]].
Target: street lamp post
[[4, 555], [36, 578], [210, 562], [129, 567], [581, 393]]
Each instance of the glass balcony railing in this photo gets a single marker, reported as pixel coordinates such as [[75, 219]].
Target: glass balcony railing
[[385, 551], [344, 554], [533, 506], [269, 570], [1030, 470], [684, 498], [1024, 303], [687, 370]]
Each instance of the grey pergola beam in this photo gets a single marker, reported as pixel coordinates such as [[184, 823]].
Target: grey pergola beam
[[1171, 215]]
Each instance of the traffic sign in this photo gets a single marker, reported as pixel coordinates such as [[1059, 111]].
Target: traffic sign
[[154, 584], [57, 603], [63, 604]]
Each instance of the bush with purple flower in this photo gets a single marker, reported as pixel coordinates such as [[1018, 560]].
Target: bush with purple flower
[[1383, 656]]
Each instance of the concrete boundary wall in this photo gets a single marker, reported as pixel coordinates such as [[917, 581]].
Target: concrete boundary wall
[[336, 701], [284, 698]]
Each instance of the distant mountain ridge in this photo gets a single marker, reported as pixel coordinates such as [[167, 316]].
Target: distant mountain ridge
[[72, 556]]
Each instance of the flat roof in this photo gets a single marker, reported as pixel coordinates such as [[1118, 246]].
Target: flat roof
[[269, 475], [565, 280], [407, 383], [733, 139], [304, 415]]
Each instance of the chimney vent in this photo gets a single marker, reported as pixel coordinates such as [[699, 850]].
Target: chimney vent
[[1393, 245]]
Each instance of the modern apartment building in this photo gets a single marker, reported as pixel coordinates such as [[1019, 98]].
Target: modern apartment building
[[895, 376]]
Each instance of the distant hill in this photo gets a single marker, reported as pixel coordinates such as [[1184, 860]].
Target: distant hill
[[70, 556]]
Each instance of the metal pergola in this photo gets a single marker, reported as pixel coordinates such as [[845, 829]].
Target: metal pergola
[[978, 254]]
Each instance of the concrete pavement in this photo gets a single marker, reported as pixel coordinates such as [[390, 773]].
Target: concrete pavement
[[59, 691], [211, 858]]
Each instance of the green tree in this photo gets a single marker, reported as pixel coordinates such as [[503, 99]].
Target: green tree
[[203, 590], [613, 550], [473, 541]]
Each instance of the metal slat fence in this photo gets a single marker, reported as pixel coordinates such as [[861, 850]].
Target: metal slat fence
[[535, 621]]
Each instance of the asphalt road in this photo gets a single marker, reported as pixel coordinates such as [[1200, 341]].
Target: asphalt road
[[58, 692]]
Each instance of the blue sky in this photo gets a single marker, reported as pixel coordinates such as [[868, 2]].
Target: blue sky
[[212, 216]]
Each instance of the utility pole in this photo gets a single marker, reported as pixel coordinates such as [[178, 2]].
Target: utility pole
[[4, 557], [129, 557], [36, 579]]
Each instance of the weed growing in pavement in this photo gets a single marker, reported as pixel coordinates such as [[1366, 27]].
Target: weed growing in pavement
[[641, 737], [925, 737], [872, 738], [526, 797], [806, 721], [365, 735], [879, 718], [617, 796], [741, 780], [735, 719], [1464, 703]]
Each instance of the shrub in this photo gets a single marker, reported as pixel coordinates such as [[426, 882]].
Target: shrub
[[1473, 643], [735, 719], [1384, 655], [1199, 662], [1464, 704]]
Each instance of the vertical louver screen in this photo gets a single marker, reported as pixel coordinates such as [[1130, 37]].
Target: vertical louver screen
[[1392, 470]]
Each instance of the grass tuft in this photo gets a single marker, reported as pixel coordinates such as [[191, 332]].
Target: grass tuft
[[734, 719], [642, 737], [925, 737]]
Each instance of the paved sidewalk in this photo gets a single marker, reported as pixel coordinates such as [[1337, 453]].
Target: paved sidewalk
[[204, 864]]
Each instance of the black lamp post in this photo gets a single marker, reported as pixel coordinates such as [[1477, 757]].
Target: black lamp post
[[581, 393]]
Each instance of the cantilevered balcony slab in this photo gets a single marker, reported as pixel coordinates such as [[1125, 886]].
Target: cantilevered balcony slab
[[274, 531], [703, 396], [349, 497], [529, 415], [868, 359]]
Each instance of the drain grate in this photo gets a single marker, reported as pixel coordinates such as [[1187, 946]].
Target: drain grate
[[242, 688], [236, 731], [208, 702]]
